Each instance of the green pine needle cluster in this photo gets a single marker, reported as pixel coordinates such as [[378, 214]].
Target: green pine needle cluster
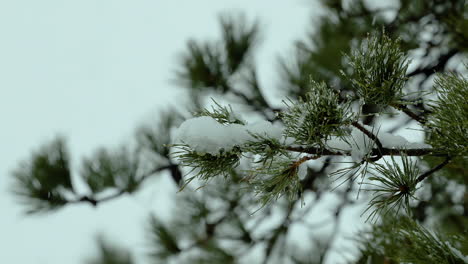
[[205, 165], [405, 241], [278, 179], [449, 117], [265, 148], [222, 114], [210, 65], [111, 254], [163, 241], [111, 170], [378, 71], [156, 137], [239, 38], [317, 116], [43, 182], [393, 186], [203, 67]]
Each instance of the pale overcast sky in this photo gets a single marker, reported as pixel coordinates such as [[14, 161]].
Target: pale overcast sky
[[93, 70]]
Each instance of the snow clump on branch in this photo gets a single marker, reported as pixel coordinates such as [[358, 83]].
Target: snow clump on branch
[[205, 135]]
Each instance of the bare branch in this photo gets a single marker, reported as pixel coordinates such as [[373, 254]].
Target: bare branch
[[431, 171], [410, 113], [375, 152], [373, 137], [95, 202]]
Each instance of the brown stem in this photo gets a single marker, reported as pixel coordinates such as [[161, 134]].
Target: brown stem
[[94, 202], [374, 152], [408, 112], [373, 137], [302, 160], [431, 171]]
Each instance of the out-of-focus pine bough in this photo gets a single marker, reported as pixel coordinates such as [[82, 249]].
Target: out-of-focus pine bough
[[111, 254], [352, 74]]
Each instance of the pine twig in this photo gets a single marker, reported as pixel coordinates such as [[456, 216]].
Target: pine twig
[[95, 202], [410, 113], [373, 137], [383, 151], [431, 171]]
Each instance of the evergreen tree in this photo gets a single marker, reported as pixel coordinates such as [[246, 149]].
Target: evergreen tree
[[246, 184]]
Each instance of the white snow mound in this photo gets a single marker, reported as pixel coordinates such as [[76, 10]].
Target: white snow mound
[[205, 135]]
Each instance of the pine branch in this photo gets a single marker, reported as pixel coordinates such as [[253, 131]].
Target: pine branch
[[318, 115], [378, 70], [410, 113], [392, 185], [111, 254], [95, 202], [279, 178], [416, 152], [163, 240], [435, 169], [404, 240], [373, 137], [449, 117]]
